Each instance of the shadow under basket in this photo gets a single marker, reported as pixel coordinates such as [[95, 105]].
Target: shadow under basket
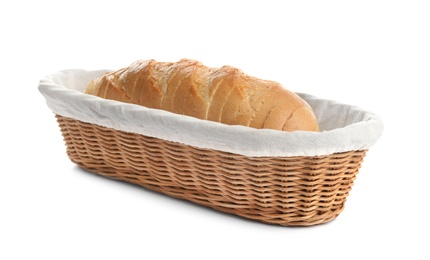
[[287, 191]]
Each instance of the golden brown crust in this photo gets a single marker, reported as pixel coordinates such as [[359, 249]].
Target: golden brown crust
[[225, 95]]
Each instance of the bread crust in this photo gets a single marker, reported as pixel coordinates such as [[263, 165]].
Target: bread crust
[[226, 95]]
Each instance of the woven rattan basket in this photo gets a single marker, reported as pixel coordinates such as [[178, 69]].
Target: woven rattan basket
[[283, 190]]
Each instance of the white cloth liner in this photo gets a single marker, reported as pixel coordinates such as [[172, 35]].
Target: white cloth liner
[[343, 127]]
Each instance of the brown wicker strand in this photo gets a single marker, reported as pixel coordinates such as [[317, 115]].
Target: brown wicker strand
[[288, 191]]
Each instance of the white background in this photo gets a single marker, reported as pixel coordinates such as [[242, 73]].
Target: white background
[[373, 54]]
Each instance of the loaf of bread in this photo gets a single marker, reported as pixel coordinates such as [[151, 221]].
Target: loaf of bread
[[225, 95]]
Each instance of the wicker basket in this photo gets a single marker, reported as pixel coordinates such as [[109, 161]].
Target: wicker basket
[[282, 190]]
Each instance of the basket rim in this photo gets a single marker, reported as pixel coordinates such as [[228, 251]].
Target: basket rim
[[64, 95]]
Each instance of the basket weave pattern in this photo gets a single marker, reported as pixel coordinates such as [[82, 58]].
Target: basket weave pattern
[[288, 191]]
